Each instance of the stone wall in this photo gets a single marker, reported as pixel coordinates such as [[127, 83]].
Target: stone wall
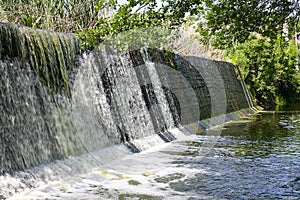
[[56, 102]]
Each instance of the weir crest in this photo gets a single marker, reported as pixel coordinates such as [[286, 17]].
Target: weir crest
[[57, 103]]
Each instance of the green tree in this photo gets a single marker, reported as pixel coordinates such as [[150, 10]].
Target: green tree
[[228, 22], [250, 32], [269, 68]]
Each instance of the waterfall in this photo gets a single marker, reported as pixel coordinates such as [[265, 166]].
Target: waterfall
[[35, 96], [58, 103]]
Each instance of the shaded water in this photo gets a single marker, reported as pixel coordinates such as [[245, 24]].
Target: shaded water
[[254, 158]]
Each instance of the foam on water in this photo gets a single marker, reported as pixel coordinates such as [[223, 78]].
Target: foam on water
[[136, 175], [65, 112]]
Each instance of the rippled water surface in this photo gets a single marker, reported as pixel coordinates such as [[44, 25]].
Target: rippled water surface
[[256, 159], [253, 158]]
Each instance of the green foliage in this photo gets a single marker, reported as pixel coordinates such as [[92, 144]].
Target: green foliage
[[229, 21], [249, 31], [56, 15], [156, 37], [269, 68], [93, 21], [131, 16]]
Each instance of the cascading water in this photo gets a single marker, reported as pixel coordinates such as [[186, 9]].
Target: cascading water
[[35, 96], [58, 103]]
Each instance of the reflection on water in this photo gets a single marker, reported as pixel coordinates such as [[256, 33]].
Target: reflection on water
[[268, 135], [254, 158]]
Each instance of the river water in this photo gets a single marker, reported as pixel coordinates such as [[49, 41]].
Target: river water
[[253, 158]]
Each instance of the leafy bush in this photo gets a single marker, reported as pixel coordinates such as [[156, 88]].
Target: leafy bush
[[269, 68]]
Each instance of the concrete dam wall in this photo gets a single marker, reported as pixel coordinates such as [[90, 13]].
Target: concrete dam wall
[[56, 102]]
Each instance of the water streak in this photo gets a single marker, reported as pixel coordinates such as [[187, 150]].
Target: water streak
[[59, 104]]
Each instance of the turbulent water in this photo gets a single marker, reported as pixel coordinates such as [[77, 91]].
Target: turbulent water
[[254, 158], [71, 122]]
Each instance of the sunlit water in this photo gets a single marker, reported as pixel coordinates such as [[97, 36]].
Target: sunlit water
[[254, 158]]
